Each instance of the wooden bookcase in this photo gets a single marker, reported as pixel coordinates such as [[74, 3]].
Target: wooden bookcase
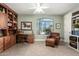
[[8, 23]]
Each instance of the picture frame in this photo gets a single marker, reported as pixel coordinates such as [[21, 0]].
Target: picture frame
[[58, 25], [26, 25]]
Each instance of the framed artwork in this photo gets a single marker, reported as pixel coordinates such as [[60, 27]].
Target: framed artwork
[[58, 25], [26, 25]]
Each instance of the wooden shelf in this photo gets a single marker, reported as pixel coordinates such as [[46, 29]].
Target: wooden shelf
[[8, 21]]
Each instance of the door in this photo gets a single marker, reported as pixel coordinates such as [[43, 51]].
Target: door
[[7, 42], [13, 40]]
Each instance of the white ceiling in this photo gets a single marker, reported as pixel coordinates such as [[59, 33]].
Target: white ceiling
[[53, 8]]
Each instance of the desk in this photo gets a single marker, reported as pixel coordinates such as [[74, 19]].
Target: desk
[[21, 38], [29, 38]]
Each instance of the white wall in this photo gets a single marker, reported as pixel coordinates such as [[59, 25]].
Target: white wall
[[67, 26], [34, 19]]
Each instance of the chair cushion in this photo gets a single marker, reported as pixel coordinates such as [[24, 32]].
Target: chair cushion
[[50, 40]]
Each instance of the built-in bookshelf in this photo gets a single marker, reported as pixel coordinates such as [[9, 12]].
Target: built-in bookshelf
[[74, 42], [8, 26], [75, 23], [74, 37]]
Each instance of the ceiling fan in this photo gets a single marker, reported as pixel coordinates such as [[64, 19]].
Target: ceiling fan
[[39, 9]]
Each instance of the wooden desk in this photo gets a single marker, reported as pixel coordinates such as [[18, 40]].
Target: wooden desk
[[21, 38], [29, 38]]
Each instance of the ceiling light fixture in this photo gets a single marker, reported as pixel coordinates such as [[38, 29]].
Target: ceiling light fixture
[[38, 9]]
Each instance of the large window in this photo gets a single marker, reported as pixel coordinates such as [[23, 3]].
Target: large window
[[45, 26]]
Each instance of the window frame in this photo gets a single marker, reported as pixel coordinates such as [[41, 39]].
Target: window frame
[[41, 20]]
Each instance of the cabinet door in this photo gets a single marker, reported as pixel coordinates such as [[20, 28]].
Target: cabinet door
[[1, 44], [73, 41], [7, 42], [3, 20], [13, 39]]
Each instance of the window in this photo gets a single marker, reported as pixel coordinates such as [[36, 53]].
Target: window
[[45, 26]]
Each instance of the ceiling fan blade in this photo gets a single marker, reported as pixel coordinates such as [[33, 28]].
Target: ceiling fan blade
[[32, 8], [38, 12], [44, 7], [38, 9], [38, 5]]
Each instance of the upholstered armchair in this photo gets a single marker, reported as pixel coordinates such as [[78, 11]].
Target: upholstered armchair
[[53, 39]]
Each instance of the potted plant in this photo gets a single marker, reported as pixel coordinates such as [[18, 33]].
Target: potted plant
[[48, 30]]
